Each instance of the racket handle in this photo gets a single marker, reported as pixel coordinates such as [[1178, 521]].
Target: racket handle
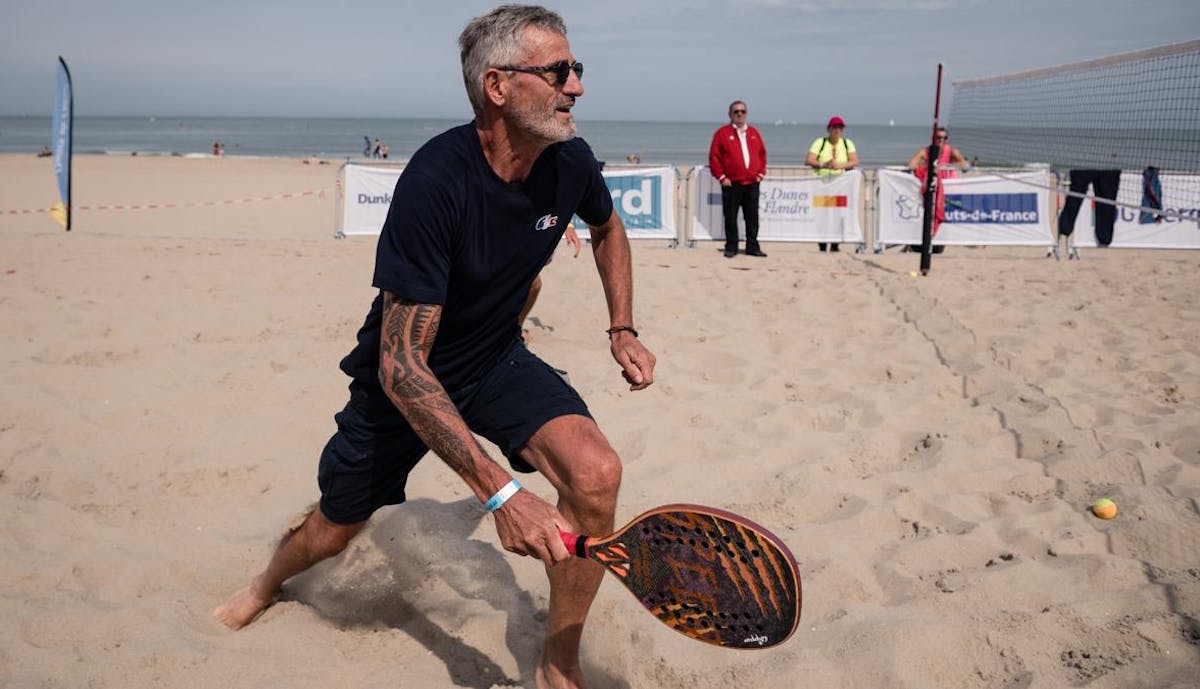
[[576, 543]]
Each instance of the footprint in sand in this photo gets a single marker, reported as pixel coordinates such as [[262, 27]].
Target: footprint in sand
[[839, 508]]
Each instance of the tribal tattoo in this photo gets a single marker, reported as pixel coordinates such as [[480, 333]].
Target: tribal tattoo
[[408, 332]]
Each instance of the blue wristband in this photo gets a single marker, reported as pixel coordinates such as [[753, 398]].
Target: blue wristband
[[496, 501]]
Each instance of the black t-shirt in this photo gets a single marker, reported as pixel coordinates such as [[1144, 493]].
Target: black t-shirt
[[459, 236]]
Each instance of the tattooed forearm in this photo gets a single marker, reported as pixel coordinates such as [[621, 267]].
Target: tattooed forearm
[[443, 440], [407, 385], [408, 332], [408, 323]]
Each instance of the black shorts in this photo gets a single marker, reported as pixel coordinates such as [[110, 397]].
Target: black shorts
[[365, 465]]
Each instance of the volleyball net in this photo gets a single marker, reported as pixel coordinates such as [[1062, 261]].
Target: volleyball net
[[1138, 113]]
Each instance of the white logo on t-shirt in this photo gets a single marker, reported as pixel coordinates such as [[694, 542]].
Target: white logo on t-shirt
[[546, 222]]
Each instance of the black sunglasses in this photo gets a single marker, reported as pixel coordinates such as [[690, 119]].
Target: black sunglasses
[[561, 70], [739, 112]]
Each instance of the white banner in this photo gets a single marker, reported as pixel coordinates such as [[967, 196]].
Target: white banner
[[644, 199], [1180, 193], [790, 209], [986, 210], [368, 195]]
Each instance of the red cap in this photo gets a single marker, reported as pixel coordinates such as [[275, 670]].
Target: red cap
[[835, 121]]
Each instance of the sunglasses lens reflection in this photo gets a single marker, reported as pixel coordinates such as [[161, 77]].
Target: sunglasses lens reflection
[[563, 69]]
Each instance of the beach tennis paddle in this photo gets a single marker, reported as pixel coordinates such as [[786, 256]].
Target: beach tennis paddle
[[709, 574]]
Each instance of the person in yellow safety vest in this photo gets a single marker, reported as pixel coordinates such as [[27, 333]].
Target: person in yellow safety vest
[[831, 155]]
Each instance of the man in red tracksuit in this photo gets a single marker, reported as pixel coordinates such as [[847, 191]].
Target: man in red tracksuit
[[738, 159]]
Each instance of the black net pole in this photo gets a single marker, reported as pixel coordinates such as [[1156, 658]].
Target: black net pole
[[931, 182]]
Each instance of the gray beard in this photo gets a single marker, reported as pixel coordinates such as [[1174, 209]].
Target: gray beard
[[543, 126]]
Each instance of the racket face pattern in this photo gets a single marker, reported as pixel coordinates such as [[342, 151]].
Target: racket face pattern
[[709, 574]]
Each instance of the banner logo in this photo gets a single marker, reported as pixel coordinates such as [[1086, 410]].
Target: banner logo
[[1008, 209], [637, 199], [908, 207], [784, 202], [829, 201], [1132, 216], [371, 199]]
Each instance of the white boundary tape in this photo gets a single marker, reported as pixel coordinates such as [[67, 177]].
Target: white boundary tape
[[319, 193]]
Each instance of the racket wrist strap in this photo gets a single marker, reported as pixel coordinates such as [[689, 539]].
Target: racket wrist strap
[[496, 501]]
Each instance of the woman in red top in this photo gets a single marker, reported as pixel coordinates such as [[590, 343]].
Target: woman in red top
[[947, 156]]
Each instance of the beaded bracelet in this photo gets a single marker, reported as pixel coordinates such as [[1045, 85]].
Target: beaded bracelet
[[510, 489], [621, 328]]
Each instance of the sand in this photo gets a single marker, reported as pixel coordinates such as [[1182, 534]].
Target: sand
[[928, 448]]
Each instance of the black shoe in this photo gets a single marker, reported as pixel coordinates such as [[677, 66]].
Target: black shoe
[[730, 253], [833, 247], [756, 252]]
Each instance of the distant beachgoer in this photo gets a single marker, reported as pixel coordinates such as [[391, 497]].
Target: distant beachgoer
[[947, 157], [45, 152], [366, 146], [218, 148], [738, 159], [376, 148], [1105, 184], [633, 158], [383, 151], [831, 155]]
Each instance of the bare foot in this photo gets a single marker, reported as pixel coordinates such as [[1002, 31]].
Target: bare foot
[[553, 677], [242, 608]]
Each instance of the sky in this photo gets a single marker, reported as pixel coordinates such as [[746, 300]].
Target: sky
[[869, 61]]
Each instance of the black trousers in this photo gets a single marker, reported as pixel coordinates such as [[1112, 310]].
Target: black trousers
[[1105, 183], [743, 197]]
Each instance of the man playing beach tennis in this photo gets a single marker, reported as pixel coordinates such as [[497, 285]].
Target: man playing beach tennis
[[474, 217]]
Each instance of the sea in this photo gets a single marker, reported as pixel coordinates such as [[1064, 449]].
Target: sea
[[667, 143]]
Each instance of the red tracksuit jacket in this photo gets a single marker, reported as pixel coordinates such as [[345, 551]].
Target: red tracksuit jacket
[[725, 155]]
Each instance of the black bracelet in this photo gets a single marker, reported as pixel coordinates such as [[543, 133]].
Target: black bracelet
[[621, 328]]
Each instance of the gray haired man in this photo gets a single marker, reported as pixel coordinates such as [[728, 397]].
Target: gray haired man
[[475, 216]]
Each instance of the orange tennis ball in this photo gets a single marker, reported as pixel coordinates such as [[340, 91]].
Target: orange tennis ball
[[1104, 508]]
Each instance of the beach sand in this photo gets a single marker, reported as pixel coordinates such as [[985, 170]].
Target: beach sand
[[927, 447]]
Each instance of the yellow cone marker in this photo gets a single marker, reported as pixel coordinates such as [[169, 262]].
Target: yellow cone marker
[[1104, 508]]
